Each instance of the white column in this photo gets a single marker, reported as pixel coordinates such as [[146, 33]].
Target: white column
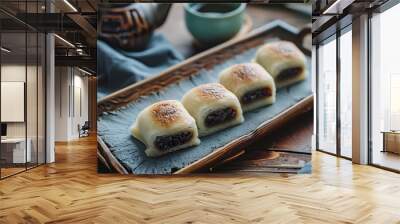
[[50, 92], [360, 90], [50, 99]]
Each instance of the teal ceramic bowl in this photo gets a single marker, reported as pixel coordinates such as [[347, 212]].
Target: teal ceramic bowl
[[212, 23]]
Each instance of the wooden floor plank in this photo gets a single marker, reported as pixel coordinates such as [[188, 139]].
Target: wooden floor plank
[[71, 191]]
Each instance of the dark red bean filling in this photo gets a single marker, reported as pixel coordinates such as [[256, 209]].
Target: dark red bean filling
[[169, 141], [256, 94], [289, 73], [220, 116]]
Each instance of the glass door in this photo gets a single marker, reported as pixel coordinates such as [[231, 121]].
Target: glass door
[[326, 131], [385, 89], [346, 95]]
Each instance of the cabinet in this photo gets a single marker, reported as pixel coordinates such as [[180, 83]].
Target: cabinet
[[13, 151], [391, 141]]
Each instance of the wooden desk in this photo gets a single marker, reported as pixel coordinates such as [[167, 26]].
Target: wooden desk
[[391, 141]]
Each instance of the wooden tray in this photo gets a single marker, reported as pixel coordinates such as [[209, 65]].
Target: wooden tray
[[116, 112]]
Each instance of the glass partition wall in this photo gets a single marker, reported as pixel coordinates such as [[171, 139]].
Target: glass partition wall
[[13, 86], [22, 77], [345, 92], [334, 93]]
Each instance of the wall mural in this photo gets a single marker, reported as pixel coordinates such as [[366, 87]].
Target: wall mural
[[242, 103]]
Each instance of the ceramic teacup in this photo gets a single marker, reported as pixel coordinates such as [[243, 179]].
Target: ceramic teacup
[[213, 23]]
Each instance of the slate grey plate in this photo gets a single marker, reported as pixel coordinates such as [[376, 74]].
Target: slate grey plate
[[117, 112]]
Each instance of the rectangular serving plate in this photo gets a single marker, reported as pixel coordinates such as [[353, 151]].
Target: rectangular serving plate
[[192, 68]]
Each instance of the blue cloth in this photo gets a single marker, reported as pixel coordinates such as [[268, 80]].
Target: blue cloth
[[117, 68], [307, 169]]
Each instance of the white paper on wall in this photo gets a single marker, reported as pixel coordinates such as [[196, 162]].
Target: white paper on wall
[[12, 101]]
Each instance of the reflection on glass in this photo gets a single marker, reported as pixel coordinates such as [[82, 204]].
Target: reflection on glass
[[327, 97], [394, 101], [14, 152], [346, 94], [22, 91], [31, 97], [385, 84]]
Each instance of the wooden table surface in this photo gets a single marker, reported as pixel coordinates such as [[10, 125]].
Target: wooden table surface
[[175, 30], [287, 150]]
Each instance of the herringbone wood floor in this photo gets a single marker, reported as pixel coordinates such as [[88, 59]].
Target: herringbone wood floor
[[71, 191]]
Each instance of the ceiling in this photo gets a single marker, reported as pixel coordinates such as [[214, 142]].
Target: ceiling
[[72, 20], [331, 15]]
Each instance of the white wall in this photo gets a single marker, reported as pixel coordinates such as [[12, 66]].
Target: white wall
[[61, 103], [80, 110], [71, 102]]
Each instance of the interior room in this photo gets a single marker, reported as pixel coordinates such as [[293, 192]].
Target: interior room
[[385, 75], [41, 78], [336, 161], [337, 85]]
